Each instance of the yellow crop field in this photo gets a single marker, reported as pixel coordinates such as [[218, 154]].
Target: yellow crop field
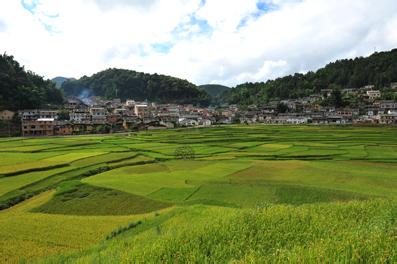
[[27, 235]]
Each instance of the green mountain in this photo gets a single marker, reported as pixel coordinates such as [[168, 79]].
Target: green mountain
[[215, 90], [124, 84], [379, 69], [20, 89], [60, 80]]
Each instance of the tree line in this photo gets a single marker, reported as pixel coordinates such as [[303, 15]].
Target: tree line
[[379, 69], [128, 84], [21, 89]]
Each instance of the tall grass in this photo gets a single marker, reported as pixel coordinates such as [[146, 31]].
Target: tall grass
[[353, 232]]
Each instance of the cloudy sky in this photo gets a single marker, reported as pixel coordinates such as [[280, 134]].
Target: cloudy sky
[[204, 41]]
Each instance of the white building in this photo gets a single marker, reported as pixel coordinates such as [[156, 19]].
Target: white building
[[205, 122], [36, 114], [140, 109], [187, 122], [373, 94], [130, 103], [79, 116], [297, 120], [98, 115]]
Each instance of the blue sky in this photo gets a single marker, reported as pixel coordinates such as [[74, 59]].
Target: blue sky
[[30, 5], [204, 41]]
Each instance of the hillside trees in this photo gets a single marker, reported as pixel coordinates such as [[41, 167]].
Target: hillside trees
[[20, 89], [380, 69], [127, 84]]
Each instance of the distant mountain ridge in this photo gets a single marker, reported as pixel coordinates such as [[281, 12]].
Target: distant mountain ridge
[[60, 80], [125, 84], [215, 90]]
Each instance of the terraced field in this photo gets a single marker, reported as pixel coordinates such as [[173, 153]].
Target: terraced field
[[293, 194]]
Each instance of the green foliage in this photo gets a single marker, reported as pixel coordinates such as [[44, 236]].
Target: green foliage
[[74, 198], [60, 80], [21, 89], [184, 152], [380, 69], [63, 114], [215, 91], [388, 94], [126, 84]]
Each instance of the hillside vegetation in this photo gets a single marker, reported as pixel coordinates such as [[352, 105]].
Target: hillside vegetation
[[215, 91], [24, 89], [246, 194], [60, 80], [21, 89], [379, 69], [125, 84]]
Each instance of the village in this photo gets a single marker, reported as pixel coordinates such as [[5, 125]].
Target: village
[[96, 115]]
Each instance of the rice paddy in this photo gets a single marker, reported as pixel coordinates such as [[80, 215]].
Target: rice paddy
[[246, 194]]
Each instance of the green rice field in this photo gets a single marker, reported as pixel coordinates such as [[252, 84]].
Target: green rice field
[[243, 194]]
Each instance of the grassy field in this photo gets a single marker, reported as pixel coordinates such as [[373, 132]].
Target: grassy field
[[250, 194], [27, 235]]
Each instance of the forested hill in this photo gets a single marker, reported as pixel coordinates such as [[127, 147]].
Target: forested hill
[[214, 90], [20, 89], [60, 80], [124, 84], [379, 69]]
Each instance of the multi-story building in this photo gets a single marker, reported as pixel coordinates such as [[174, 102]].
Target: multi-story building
[[72, 104], [347, 112], [387, 105], [48, 114], [388, 119], [141, 109], [80, 116], [38, 127], [98, 115], [36, 114], [130, 122], [28, 114]]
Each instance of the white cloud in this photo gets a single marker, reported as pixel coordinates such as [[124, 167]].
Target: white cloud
[[220, 41], [226, 15]]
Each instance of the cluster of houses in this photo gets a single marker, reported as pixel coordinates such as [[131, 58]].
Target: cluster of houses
[[309, 110], [106, 116]]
